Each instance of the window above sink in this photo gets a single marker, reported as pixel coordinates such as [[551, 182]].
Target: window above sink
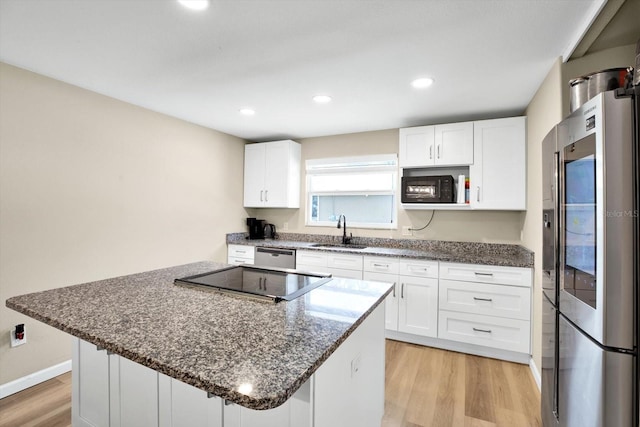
[[362, 188]]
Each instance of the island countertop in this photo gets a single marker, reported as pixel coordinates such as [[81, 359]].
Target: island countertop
[[213, 341]]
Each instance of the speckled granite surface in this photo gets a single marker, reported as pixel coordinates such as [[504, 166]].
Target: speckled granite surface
[[216, 342], [463, 252]]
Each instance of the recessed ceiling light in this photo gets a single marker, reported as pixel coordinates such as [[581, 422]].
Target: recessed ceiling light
[[322, 99], [195, 4], [247, 111], [422, 82]]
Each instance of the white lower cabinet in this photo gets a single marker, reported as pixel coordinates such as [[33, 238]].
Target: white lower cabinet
[[346, 391], [135, 392], [488, 306], [418, 303], [183, 405], [477, 309], [412, 306], [488, 331], [240, 254], [90, 382], [338, 265], [382, 269]]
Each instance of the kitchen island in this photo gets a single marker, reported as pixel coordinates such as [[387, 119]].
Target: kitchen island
[[315, 361]]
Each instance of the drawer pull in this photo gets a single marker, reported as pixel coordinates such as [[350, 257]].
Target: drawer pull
[[482, 299], [381, 265], [483, 274], [241, 252], [488, 331], [402, 291]]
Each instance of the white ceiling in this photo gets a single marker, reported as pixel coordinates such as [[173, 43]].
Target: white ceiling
[[488, 57]]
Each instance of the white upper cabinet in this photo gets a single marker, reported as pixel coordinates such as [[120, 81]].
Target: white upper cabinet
[[272, 175], [498, 175], [439, 145], [416, 146], [454, 144]]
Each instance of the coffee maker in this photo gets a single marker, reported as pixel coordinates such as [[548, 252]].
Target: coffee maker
[[256, 228]]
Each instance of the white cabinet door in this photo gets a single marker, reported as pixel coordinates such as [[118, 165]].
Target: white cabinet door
[[454, 144], [90, 379], [137, 389], [295, 412], [391, 302], [418, 306], [416, 147], [276, 176], [254, 172], [237, 416], [272, 175], [182, 405], [498, 175]]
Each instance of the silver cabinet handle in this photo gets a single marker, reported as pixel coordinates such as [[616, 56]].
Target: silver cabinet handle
[[487, 331], [394, 289], [438, 151], [402, 291], [266, 193], [210, 395], [478, 198], [261, 195], [431, 152], [483, 274], [482, 299], [241, 252], [381, 265]]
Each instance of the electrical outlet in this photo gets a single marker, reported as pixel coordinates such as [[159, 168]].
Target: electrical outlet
[[15, 342], [406, 230], [285, 226]]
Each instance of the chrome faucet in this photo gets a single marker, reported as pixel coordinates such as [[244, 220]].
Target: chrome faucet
[[345, 240]]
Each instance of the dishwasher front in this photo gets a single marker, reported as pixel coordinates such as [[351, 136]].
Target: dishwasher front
[[272, 257]]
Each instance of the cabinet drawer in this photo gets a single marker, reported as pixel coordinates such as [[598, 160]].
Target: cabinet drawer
[[514, 276], [345, 273], [240, 251], [345, 262], [481, 298], [419, 268], [382, 265], [488, 331], [311, 258], [239, 261]]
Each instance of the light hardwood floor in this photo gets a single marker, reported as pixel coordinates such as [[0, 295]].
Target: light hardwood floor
[[425, 387]]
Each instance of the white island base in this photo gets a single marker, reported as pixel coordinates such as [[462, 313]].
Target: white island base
[[346, 390]]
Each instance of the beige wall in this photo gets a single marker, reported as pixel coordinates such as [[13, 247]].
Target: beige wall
[[544, 112], [550, 105], [90, 188], [447, 225]]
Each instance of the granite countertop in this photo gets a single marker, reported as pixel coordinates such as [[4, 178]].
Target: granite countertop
[[213, 341], [462, 252]]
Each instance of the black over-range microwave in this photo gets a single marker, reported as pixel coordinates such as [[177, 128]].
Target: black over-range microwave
[[428, 189]]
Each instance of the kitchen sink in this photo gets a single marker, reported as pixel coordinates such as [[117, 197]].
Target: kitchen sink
[[337, 246]]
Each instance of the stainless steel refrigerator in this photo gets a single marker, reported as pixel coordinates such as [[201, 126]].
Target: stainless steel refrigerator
[[590, 265]]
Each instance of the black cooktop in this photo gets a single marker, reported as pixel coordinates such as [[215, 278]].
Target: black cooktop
[[274, 284]]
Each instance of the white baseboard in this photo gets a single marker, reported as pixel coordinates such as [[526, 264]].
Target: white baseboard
[[32, 379], [536, 373]]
